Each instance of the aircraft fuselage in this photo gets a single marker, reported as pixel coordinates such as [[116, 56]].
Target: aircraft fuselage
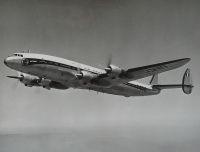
[[75, 75]]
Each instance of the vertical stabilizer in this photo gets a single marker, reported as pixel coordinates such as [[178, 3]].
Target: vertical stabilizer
[[154, 80], [187, 82]]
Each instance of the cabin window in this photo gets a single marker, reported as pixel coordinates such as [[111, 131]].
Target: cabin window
[[25, 62], [18, 55]]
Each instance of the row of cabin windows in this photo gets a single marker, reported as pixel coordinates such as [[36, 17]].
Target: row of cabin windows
[[38, 61]]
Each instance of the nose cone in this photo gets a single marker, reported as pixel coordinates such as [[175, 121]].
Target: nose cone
[[5, 61], [10, 62]]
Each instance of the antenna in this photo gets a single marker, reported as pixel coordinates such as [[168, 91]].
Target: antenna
[[26, 51]]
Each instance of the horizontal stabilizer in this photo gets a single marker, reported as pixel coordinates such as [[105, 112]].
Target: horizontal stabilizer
[[167, 86], [186, 84]]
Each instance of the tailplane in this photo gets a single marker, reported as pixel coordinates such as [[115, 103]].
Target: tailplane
[[186, 84]]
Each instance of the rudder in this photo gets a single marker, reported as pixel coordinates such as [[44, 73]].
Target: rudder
[[154, 80], [187, 82]]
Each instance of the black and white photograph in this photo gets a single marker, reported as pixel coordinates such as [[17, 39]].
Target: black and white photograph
[[99, 75]]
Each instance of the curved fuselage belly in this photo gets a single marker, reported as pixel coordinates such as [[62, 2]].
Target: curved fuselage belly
[[52, 72], [126, 91], [66, 77]]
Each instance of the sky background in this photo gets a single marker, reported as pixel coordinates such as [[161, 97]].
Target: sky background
[[137, 33]]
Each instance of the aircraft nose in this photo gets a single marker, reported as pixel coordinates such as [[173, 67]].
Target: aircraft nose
[[9, 62], [5, 61]]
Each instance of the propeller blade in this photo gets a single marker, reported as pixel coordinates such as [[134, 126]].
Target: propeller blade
[[14, 85], [14, 77], [19, 77], [101, 66], [109, 61]]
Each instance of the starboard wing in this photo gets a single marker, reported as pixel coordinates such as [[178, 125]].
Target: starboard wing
[[145, 71]]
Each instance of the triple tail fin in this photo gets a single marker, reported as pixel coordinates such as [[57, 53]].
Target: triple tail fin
[[186, 85], [154, 80]]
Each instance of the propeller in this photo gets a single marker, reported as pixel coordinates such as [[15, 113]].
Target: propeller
[[14, 85], [14, 77], [26, 51], [109, 61], [19, 77]]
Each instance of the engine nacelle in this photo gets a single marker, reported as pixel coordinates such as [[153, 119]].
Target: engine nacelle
[[27, 79], [45, 83], [31, 80], [48, 84], [113, 71], [85, 76]]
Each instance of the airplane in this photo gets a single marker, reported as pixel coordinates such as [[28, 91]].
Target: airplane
[[54, 72]]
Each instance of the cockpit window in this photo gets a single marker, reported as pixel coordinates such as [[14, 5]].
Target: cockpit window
[[16, 54]]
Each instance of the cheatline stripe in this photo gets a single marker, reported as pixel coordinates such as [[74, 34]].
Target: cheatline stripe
[[41, 61]]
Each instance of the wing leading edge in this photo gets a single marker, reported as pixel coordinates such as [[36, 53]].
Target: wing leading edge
[[145, 71]]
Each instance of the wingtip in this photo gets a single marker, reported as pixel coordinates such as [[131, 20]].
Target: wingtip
[[184, 60], [187, 59]]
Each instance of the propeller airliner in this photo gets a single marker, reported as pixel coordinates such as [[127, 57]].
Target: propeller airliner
[[53, 72]]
